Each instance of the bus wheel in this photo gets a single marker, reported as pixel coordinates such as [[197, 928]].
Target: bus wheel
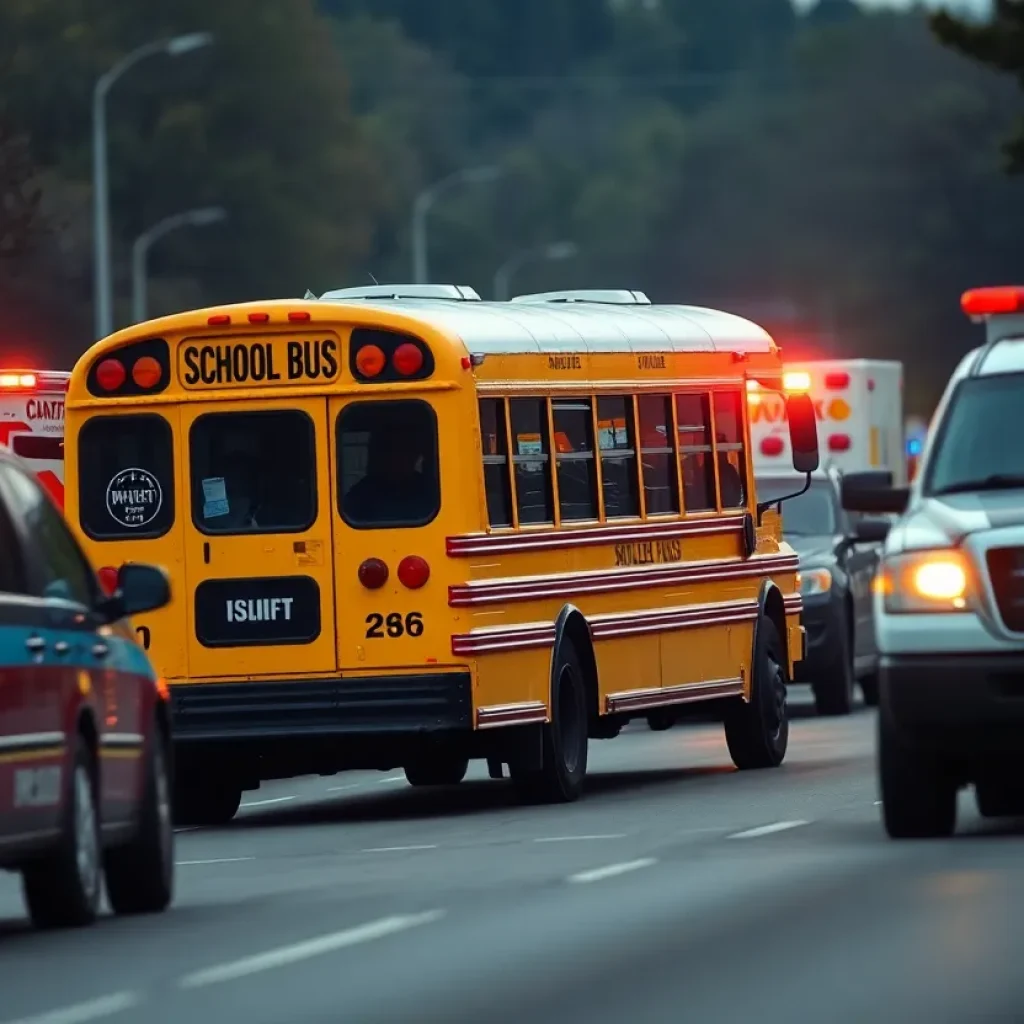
[[564, 744], [437, 770], [205, 802], [757, 731]]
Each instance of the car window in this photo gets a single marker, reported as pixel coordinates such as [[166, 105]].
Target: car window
[[12, 565], [66, 574]]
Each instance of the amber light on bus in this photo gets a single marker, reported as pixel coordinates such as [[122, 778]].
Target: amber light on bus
[[381, 356]]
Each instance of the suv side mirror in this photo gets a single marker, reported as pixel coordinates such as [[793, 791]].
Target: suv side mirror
[[803, 432], [141, 588], [873, 492], [871, 531]]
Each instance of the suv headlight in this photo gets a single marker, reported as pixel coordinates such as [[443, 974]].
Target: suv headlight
[[926, 581], [815, 581]]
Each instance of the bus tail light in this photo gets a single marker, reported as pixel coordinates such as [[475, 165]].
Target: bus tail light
[[373, 573], [218, 320], [259, 318], [111, 374], [413, 572], [298, 316], [370, 361], [772, 446], [107, 577], [146, 372], [407, 360], [839, 442]]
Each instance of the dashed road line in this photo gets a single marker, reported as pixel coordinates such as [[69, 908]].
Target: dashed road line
[[300, 951], [212, 860], [398, 849], [579, 839], [767, 830], [612, 870], [81, 1013], [269, 801]]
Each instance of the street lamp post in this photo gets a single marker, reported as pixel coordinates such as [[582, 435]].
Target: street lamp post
[[103, 299], [426, 199], [504, 274], [140, 249]]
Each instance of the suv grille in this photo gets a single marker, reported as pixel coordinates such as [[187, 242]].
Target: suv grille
[[1006, 569]]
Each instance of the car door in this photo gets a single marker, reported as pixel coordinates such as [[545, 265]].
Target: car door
[[31, 735], [861, 563], [84, 665]]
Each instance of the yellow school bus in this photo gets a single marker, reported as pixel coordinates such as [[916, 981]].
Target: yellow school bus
[[408, 528]]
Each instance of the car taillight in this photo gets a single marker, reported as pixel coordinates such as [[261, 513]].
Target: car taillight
[[373, 573], [107, 577], [413, 572]]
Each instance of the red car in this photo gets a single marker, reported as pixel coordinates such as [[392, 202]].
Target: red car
[[84, 724]]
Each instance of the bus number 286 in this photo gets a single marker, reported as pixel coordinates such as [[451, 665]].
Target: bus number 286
[[393, 625]]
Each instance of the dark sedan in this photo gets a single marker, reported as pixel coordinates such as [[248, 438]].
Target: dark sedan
[[838, 557]]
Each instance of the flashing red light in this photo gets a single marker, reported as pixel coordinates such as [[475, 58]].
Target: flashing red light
[[107, 577], [370, 360], [993, 301], [413, 572], [258, 318], [146, 372], [373, 573], [408, 359], [17, 380], [298, 316], [837, 381], [772, 446], [218, 319], [839, 442], [111, 374]]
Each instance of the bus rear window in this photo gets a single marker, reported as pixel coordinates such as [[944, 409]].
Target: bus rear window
[[126, 477], [38, 446], [388, 464]]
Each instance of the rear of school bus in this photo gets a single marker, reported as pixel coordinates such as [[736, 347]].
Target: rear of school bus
[[281, 461]]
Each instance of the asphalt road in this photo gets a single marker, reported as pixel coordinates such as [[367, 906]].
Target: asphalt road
[[678, 889]]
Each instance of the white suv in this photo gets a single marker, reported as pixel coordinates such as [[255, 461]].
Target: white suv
[[949, 594]]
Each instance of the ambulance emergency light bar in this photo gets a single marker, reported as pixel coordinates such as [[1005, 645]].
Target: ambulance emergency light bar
[[1003, 299]]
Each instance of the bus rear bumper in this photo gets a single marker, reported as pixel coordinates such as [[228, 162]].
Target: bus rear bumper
[[386, 706]]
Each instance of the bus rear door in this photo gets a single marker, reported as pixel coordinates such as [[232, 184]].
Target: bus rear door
[[259, 563]]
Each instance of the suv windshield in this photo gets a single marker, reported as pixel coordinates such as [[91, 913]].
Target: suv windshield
[[974, 449], [812, 514]]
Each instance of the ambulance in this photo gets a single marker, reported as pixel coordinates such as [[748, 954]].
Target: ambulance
[[32, 422], [859, 404]]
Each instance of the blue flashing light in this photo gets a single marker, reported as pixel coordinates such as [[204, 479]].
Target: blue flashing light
[[914, 446]]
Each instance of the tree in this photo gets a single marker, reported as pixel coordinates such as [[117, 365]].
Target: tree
[[998, 44]]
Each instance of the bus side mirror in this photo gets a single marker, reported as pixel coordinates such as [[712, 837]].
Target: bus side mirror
[[803, 433]]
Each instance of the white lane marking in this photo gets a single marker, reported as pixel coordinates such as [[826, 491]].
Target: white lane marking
[[767, 830], [305, 950], [80, 1013], [397, 849], [212, 860], [339, 789], [265, 803], [579, 839], [611, 870], [391, 778]]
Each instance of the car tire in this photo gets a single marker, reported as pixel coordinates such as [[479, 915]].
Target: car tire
[[560, 778], [64, 889], [437, 770], [869, 688], [660, 721], [757, 731], [917, 788], [140, 875], [205, 802], [833, 692]]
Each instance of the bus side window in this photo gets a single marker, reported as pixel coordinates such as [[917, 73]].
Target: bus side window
[[494, 440], [657, 455], [531, 460], [616, 434], [574, 458], [729, 452], [693, 414]]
